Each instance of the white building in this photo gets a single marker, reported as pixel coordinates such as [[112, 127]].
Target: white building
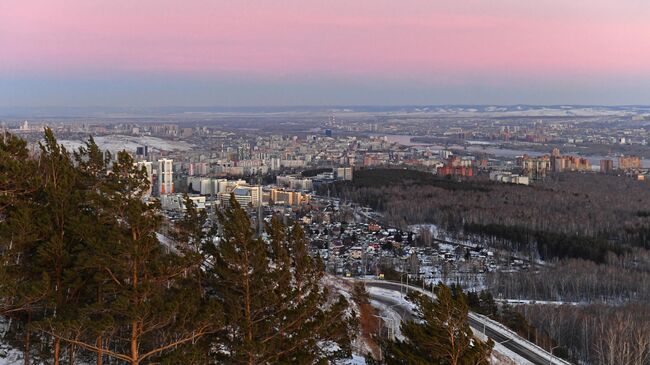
[[219, 185], [244, 194], [165, 176], [176, 202], [295, 182], [344, 173], [508, 177]]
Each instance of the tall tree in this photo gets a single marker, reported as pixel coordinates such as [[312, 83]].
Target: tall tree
[[441, 335], [15, 211], [145, 304], [276, 309], [23, 286], [307, 328], [58, 201]]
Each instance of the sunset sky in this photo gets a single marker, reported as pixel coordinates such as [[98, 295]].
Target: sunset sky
[[298, 52]]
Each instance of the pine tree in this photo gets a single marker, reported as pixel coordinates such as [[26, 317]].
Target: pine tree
[[145, 304], [58, 201], [17, 231], [441, 335], [276, 310], [242, 280], [84, 273], [23, 287], [307, 325]]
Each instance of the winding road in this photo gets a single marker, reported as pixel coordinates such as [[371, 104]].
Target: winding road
[[478, 323]]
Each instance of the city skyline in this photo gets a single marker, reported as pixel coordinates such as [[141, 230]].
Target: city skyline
[[200, 53]]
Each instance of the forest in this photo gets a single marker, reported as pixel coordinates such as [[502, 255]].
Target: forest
[[570, 215], [596, 333], [590, 231]]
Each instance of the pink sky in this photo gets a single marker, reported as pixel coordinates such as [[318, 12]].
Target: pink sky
[[405, 38]]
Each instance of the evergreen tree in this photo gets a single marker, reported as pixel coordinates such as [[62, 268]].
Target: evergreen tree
[[23, 287], [308, 329], [276, 309], [441, 335], [58, 245], [145, 304], [15, 215], [83, 270]]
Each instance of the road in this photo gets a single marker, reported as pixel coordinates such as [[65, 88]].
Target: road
[[477, 326]]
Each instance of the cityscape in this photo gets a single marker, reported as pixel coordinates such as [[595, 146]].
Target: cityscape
[[324, 183]]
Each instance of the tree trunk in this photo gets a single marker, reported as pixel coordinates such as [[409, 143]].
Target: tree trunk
[[99, 343], [57, 350], [134, 343], [27, 340], [72, 354], [99, 353], [247, 310], [134, 325]]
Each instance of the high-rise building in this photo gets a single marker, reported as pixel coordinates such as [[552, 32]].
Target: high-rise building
[[220, 185], [629, 162], [344, 173], [535, 167], [606, 166], [165, 176]]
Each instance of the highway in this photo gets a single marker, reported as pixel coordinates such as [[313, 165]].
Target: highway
[[477, 324]]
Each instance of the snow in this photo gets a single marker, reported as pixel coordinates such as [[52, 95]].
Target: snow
[[8, 355], [339, 286], [390, 295], [541, 302], [390, 316], [501, 354], [118, 142], [355, 360], [417, 227], [496, 326], [11, 357]]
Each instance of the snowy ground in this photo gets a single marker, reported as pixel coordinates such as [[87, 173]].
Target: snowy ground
[[339, 286], [501, 355], [494, 325], [355, 360], [116, 143], [11, 357], [543, 302]]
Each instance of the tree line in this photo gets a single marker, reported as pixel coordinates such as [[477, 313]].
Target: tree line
[[573, 281], [597, 334]]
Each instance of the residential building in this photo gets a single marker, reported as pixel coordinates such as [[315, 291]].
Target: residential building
[[165, 176]]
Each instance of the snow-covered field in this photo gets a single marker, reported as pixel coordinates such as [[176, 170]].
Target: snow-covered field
[[117, 142]]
